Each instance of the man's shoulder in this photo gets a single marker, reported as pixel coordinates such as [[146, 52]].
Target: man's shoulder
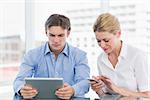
[[77, 54], [38, 50], [75, 50]]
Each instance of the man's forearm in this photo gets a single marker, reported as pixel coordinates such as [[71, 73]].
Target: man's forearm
[[81, 88]]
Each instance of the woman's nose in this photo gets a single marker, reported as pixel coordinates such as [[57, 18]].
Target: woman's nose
[[102, 44]]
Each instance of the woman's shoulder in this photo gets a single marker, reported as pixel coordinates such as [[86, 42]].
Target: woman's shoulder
[[133, 51], [101, 55]]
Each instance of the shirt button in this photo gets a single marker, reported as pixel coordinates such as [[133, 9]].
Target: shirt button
[[56, 73]]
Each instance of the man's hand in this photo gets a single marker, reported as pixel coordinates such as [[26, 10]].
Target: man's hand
[[65, 92], [28, 92]]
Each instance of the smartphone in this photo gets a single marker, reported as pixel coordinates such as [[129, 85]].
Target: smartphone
[[93, 80]]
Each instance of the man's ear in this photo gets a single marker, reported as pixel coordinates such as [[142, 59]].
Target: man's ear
[[68, 33], [46, 33]]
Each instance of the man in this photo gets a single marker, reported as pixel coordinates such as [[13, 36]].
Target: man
[[56, 58]]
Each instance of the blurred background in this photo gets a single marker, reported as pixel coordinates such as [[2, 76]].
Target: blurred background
[[22, 28]]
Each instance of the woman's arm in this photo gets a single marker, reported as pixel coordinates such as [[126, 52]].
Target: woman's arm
[[123, 91], [126, 92]]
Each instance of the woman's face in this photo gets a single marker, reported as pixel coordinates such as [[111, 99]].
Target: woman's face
[[107, 41]]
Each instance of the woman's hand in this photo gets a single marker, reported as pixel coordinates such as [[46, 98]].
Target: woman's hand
[[97, 85], [108, 82]]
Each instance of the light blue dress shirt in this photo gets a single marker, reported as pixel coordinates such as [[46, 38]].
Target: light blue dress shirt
[[71, 65]]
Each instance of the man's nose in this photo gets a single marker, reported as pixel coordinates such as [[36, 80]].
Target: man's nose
[[56, 39]]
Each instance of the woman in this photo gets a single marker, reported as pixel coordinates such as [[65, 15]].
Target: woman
[[123, 69]]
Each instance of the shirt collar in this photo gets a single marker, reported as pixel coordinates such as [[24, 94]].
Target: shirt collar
[[65, 50], [123, 54], [47, 50], [123, 51]]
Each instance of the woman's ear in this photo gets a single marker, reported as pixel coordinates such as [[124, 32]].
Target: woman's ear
[[119, 34]]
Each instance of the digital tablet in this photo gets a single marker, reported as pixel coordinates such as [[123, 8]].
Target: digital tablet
[[46, 86]]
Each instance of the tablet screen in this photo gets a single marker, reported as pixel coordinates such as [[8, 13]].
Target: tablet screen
[[46, 86]]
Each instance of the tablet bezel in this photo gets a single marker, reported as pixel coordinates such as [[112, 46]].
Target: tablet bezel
[[49, 84]]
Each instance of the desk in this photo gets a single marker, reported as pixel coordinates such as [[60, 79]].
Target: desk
[[107, 97], [16, 97]]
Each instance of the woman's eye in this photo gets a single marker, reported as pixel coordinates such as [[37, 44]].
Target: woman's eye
[[106, 40], [98, 41]]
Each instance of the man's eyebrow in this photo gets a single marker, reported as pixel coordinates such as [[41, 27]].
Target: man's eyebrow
[[50, 33], [61, 34], [57, 34]]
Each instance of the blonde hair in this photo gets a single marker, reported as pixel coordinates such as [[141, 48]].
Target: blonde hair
[[107, 22]]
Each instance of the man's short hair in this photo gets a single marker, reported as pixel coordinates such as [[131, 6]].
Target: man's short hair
[[58, 20]]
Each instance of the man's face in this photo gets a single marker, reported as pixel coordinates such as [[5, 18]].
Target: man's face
[[106, 41], [57, 38]]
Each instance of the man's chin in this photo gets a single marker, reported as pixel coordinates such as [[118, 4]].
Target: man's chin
[[56, 49]]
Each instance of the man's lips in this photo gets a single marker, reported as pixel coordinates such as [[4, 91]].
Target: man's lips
[[56, 45]]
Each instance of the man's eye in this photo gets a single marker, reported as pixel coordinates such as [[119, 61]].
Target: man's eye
[[51, 35], [61, 35]]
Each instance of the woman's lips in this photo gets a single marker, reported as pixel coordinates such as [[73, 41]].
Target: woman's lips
[[105, 49]]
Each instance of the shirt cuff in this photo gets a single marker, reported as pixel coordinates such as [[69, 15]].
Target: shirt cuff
[[18, 90], [76, 90]]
